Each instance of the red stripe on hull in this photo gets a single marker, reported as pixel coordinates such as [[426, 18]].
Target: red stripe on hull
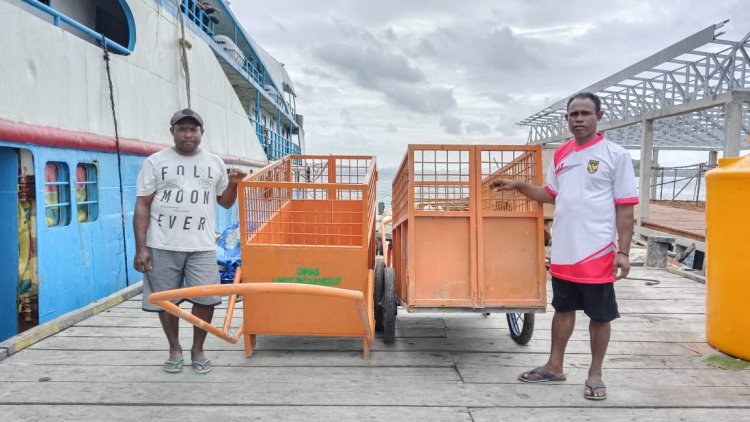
[[48, 136]]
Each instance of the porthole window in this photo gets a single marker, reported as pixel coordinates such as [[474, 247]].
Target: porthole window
[[87, 195], [91, 20], [57, 194]]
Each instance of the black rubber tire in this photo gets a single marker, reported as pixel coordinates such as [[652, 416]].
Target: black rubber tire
[[389, 306], [521, 326], [378, 292]]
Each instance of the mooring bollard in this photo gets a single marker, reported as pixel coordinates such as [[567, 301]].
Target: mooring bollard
[[657, 249]]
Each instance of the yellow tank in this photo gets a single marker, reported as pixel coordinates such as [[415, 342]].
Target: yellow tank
[[728, 266]]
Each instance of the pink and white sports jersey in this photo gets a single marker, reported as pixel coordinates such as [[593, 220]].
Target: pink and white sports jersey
[[587, 182]]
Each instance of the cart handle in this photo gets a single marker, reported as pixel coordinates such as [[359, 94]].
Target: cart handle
[[162, 299]]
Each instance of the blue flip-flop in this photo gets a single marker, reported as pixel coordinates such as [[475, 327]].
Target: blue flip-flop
[[173, 366], [203, 363]]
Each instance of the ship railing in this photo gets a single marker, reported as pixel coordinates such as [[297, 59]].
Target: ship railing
[[60, 18], [680, 183], [278, 147], [198, 16], [240, 64], [274, 145], [258, 131], [248, 67], [253, 75]]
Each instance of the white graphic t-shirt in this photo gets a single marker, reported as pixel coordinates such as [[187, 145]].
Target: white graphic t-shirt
[[587, 183], [184, 206]]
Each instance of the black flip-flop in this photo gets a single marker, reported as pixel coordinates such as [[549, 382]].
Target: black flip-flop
[[594, 386], [545, 376]]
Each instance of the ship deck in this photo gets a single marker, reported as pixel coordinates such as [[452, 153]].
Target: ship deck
[[447, 367]]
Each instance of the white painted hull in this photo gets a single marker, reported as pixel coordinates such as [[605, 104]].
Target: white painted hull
[[53, 78]]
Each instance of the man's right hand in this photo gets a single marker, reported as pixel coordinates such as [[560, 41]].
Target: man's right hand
[[503, 184], [142, 261]]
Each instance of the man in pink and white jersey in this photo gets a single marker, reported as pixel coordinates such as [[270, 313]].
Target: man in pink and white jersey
[[592, 184]]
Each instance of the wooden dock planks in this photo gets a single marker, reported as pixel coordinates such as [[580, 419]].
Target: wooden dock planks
[[458, 367], [677, 221]]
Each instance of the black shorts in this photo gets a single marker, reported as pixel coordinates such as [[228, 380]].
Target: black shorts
[[595, 300]]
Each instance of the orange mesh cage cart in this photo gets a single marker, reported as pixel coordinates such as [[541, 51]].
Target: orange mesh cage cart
[[309, 220], [307, 232], [458, 245]]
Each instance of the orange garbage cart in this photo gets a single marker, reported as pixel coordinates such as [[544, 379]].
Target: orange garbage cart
[[307, 233], [458, 245]]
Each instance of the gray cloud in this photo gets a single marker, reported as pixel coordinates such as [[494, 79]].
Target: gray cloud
[[501, 98], [401, 67], [389, 34], [421, 99], [319, 73], [377, 65], [490, 47], [478, 127], [425, 48], [348, 119], [508, 128], [451, 124], [370, 65]]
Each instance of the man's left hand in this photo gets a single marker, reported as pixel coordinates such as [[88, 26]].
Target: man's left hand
[[235, 175], [622, 263]]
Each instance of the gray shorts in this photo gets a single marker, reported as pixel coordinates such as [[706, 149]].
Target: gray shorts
[[174, 270]]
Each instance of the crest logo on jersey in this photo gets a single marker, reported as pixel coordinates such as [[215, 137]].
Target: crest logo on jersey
[[593, 166]]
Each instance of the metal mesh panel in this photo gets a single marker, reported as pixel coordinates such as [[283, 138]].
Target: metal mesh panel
[[310, 170], [352, 171], [441, 180], [511, 164], [310, 200], [400, 193], [261, 200], [437, 178]]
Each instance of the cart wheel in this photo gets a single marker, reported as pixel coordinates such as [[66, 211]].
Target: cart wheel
[[521, 326], [378, 292], [389, 306]]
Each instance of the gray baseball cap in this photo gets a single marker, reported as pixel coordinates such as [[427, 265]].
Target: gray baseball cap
[[184, 114]]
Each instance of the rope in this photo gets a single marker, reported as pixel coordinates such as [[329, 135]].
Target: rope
[[183, 52], [649, 281], [119, 159]]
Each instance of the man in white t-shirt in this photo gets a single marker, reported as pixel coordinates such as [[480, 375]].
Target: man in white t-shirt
[[177, 192], [592, 184]]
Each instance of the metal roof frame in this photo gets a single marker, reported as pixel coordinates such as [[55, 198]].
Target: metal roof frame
[[683, 88]]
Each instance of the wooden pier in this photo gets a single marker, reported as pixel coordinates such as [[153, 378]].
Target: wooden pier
[[442, 367], [687, 223]]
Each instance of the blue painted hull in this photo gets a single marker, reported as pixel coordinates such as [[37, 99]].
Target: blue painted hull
[[80, 262]]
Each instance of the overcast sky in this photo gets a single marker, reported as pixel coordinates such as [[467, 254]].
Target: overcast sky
[[372, 77]]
